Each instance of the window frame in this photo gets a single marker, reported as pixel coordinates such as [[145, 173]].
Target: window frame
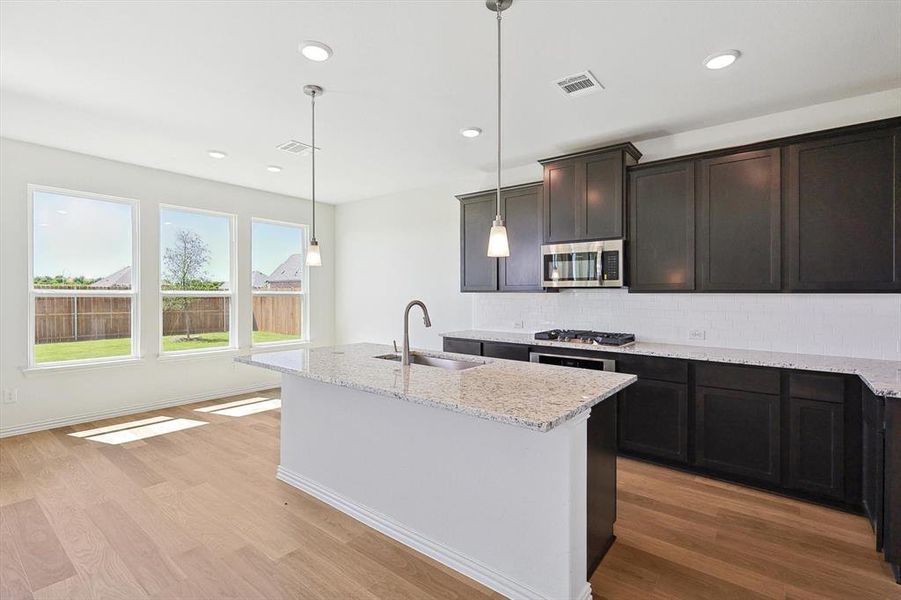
[[134, 293], [305, 297], [231, 294]]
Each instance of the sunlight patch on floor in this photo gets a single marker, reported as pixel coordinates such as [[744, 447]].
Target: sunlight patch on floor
[[146, 431], [250, 409], [218, 407], [118, 426]]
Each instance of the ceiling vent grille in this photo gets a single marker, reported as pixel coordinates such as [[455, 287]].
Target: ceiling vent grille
[[580, 84], [295, 147]]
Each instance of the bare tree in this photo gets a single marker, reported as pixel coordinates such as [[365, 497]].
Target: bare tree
[[184, 264]]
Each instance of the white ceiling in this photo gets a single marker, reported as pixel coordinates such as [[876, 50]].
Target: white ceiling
[[160, 83]]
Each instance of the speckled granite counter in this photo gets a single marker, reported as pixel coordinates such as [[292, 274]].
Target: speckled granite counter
[[882, 376], [538, 397]]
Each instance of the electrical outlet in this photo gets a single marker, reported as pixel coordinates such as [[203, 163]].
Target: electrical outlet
[[697, 334], [10, 396], [518, 324]]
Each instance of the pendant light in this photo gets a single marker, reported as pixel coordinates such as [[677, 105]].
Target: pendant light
[[497, 240], [314, 259]]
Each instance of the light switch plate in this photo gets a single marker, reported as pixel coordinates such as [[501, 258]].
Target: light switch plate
[[697, 334], [10, 396], [518, 324]]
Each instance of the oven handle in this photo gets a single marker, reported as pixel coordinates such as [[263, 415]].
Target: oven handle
[[609, 364]]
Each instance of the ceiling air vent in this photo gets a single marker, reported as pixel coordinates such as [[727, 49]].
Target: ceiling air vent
[[580, 84], [295, 147]]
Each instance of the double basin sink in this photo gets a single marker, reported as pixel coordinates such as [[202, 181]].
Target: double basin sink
[[434, 361]]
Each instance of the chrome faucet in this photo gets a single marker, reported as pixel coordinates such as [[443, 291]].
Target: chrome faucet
[[405, 357]]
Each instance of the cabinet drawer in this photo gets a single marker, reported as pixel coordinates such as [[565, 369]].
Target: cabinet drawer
[[827, 388], [650, 367], [463, 346], [508, 351], [732, 377]]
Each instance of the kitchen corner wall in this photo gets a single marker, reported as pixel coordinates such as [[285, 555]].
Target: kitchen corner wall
[[407, 245], [859, 325], [53, 398]]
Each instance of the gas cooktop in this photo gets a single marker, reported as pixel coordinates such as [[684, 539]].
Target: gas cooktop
[[585, 336]]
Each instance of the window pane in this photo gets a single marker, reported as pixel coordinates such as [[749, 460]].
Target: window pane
[[81, 328], [277, 318], [81, 242], [192, 323], [277, 256], [195, 250]]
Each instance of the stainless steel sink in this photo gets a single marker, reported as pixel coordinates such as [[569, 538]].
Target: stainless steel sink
[[434, 361]]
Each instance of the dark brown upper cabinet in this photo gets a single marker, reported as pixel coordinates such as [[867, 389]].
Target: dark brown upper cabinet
[[843, 213], [521, 209], [584, 194], [739, 222], [661, 247], [521, 271]]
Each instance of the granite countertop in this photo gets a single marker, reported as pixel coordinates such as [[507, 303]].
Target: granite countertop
[[538, 397], [882, 376]]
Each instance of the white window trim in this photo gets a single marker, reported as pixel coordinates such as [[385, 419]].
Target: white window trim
[[303, 293], [134, 293], [231, 294]]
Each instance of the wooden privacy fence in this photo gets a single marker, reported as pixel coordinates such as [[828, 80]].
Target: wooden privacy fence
[[70, 319], [278, 313]]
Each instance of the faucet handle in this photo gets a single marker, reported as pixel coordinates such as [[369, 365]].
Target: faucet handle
[[395, 346]]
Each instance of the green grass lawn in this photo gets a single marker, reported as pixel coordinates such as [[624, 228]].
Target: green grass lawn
[[62, 351]]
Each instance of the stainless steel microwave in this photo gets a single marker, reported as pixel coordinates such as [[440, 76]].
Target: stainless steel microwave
[[582, 264]]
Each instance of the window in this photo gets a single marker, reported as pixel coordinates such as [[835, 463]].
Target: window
[[278, 273], [196, 275], [83, 277]]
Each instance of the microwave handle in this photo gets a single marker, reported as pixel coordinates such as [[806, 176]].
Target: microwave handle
[[600, 264]]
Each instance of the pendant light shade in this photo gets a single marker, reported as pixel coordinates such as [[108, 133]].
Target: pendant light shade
[[497, 240], [314, 259]]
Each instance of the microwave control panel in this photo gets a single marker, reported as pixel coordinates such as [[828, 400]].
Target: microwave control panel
[[610, 265]]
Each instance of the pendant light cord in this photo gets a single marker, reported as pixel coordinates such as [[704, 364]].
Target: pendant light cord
[[313, 102], [498, 110]]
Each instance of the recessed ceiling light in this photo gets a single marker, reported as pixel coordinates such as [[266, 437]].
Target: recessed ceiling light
[[316, 51], [62, 212], [217, 154], [274, 169], [721, 60], [168, 223], [470, 132], [44, 224]]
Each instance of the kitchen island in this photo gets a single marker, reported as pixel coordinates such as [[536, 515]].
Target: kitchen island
[[503, 471]]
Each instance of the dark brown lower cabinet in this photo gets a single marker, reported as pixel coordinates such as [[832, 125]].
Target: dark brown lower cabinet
[[507, 351], [463, 346], [873, 438], [816, 447], [653, 419], [738, 432]]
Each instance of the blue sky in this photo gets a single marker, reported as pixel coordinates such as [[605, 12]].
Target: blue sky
[[82, 236], [212, 229], [79, 236], [273, 243]]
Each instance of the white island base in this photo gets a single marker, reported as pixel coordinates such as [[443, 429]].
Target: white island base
[[501, 504]]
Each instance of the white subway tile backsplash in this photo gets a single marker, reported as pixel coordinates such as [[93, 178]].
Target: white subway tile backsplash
[[858, 325]]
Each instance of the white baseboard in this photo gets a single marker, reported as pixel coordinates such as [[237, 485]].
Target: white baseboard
[[461, 563], [107, 414]]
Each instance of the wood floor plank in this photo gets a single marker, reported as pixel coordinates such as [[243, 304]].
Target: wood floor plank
[[42, 556], [198, 514], [145, 562]]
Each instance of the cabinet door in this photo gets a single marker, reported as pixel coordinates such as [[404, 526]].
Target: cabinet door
[[603, 194], [522, 210], [816, 447], [561, 201], [873, 454], [739, 227], [737, 433], [844, 213], [478, 272], [653, 419], [463, 346], [507, 351], [662, 228]]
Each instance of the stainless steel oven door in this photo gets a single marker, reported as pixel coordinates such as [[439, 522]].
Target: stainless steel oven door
[[578, 362]]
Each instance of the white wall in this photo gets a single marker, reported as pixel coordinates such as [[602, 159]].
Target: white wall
[[406, 245], [69, 396]]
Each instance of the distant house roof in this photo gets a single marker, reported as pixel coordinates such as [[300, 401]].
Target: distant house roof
[[118, 280], [290, 270], [257, 279]]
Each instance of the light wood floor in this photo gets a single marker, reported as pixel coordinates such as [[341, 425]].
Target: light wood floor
[[199, 514]]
